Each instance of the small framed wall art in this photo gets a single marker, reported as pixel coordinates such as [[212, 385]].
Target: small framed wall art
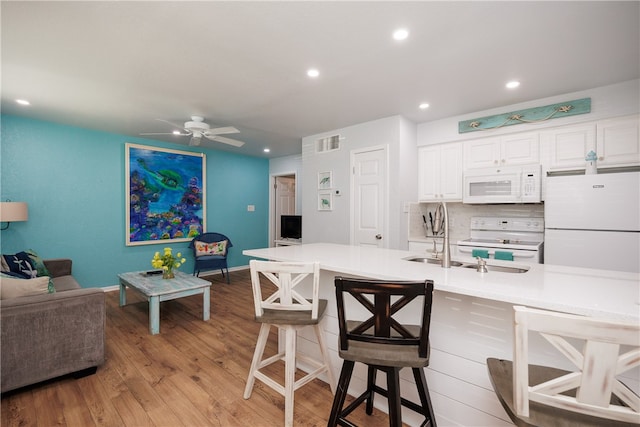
[[325, 181], [325, 201]]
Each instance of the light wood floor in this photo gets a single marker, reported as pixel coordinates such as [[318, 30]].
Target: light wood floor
[[192, 374]]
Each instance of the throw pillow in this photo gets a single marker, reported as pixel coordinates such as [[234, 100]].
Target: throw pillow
[[21, 265], [215, 248], [11, 287], [41, 269]]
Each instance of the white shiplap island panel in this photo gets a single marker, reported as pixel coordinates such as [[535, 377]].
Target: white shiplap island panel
[[471, 318]]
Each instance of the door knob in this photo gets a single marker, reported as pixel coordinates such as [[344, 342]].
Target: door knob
[[379, 236]]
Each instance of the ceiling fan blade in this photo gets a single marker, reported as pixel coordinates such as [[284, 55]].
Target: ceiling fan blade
[[225, 140], [165, 133], [222, 130], [177, 126]]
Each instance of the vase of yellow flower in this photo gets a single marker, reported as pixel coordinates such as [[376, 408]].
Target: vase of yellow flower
[[167, 262]]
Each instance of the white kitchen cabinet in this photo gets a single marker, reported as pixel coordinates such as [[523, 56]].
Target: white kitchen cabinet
[[506, 150], [440, 172], [618, 141], [567, 146]]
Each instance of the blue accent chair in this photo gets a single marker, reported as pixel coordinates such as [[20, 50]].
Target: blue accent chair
[[210, 262]]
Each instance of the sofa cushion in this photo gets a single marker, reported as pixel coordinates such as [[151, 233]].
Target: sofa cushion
[[41, 269], [11, 287], [65, 283], [19, 264], [27, 265]]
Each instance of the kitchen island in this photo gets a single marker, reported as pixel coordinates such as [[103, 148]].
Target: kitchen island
[[471, 318]]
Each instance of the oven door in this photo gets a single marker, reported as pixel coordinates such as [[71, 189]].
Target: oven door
[[504, 254]]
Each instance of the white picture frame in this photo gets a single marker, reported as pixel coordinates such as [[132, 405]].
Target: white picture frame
[[325, 180], [325, 201]]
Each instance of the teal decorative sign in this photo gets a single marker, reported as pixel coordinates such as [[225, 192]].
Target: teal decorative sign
[[530, 115]]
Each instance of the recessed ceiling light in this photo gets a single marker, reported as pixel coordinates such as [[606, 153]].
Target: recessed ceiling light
[[176, 132], [512, 84], [400, 34], [312, 72], [423, 106], [23, 102], [267, 150]]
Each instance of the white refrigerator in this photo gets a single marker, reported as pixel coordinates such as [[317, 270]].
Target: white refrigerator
[[593, 221]]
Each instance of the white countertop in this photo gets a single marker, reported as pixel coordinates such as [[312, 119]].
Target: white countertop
[[598, 293]]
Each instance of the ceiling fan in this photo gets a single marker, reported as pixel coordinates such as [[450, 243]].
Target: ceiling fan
[[197, 128]]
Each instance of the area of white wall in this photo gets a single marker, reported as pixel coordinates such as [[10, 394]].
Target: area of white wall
[[334, 226], [607, 101], [405, 192]]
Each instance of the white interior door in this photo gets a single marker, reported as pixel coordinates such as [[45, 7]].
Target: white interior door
[[369, 201], [285, 200]]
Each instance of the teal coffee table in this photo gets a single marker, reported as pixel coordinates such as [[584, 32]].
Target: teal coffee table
[[156, 289]]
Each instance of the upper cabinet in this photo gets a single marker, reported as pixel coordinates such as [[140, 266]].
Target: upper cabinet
[[615, 141], [618, 141], [440, 172], [567, 146], [507, 150]]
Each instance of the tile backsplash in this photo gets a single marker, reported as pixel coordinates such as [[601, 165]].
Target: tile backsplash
[[460, 216]]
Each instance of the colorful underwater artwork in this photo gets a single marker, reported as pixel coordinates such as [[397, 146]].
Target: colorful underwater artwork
[[165, 195]]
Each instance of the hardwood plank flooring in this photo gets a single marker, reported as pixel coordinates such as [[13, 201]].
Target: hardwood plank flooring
[[192, 374]]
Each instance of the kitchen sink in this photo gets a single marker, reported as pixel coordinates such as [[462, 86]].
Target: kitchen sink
[[499, 268], [429, 260], [490, 267]]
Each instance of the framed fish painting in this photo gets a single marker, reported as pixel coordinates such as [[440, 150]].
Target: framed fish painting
[[165, 195]]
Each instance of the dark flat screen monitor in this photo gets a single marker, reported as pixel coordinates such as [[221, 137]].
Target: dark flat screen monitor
[[291, 226]]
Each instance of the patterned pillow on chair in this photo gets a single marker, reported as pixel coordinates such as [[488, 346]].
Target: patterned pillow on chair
[[215, 248]]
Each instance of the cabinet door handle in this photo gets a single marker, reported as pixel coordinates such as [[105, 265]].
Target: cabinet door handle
[[378, 236]]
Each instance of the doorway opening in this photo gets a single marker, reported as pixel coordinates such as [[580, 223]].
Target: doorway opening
[[283, 202]]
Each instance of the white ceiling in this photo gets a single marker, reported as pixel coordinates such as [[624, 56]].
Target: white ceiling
[[118, 66]]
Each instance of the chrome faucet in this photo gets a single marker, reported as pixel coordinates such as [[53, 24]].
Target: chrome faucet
[[442, 220]]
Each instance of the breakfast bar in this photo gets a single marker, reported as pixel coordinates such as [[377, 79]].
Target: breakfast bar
[[471, 317]]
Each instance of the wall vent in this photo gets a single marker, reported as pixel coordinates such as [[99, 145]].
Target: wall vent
[[330, 143]]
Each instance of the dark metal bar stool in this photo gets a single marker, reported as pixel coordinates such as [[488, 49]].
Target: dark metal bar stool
[[383, 344]]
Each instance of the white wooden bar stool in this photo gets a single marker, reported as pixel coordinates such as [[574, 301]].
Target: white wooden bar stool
[[288, 310], [592, 395]]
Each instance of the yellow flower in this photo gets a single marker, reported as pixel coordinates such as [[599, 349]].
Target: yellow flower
[[167, 261]]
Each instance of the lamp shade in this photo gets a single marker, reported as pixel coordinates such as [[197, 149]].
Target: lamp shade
[[13, 211]]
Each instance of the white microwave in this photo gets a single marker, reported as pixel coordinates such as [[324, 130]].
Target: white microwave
[[511, 184]]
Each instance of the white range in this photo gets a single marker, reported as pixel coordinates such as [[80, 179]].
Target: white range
[[509, 239]]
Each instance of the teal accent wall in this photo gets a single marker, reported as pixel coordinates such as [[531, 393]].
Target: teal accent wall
[[73, 180]]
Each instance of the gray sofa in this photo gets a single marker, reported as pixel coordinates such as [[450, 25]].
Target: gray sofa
[[46, 336]]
